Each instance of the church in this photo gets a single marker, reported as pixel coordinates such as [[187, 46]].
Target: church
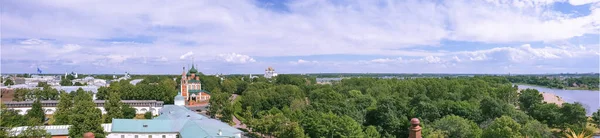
[[191, 88]]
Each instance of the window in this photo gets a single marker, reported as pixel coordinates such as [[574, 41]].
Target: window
[[164, 136], [149, 136], [122, 136], [136, 136]]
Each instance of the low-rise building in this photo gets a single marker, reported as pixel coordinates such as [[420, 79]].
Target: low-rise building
[[173, 121], [49, 106]]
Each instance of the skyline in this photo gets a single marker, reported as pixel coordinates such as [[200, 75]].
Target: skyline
[[241, 37]]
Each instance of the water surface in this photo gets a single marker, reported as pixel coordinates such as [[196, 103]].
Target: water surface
[[589, 98]]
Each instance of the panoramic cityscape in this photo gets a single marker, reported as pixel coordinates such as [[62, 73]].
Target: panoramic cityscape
[[300, 69]]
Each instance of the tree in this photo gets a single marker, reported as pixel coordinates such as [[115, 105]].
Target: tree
[[87, 116], [229, 86], [113, 107], [596, 118], [8, 82], [103, 93], [457, 127], [529, 98], [66, 82], [148, 115], [10, 118], [218, 102], [573, 114], [503, 127], [34, 129], [77, 84], [42, 84], [493, 108], [535, 129], [63, 110], [547, 113], [128, 111], [325, 124], [36, 111], [371, 132]]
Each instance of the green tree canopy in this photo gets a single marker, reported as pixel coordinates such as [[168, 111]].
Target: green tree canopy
[[113, 107], [63, 110], [457, 127], [34, 129], [128, 111], [535, 129], [530, 98], [8, 82], [148, 115], [66, 82], [503, 127], [36, 111], [596, 118], [87, 116]]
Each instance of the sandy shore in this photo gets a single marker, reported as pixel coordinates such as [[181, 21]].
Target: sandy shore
[[550, 98]]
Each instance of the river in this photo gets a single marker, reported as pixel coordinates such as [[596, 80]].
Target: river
[[589, 98]]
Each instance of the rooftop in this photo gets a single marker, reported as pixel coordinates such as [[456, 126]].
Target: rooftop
[[179, 119]]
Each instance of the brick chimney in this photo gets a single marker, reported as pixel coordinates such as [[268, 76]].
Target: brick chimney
[[415, 128]]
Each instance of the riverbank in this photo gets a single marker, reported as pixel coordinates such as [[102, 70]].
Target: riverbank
[[550, 98], [566, 88]]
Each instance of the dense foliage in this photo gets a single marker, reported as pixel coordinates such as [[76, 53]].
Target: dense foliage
[[85, 117], [452, 107], [579, 82], [45, 93], [295, 106], [8, 82], [160, 89]]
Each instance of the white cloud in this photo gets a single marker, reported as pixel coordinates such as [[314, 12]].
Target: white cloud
[[32, 41], [582, 2], [535, 21], [186, 55], [301, 61], [386, 60], [347, 27], [71, 30], [117, 58], [455, 58], [432, 59], [236, 58]]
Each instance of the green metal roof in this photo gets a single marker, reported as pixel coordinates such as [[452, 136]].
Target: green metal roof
[[193, 81], [192, 70], [198, 91], [148, 126]]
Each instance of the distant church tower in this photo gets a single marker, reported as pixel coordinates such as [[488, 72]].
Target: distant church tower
[[191, 88]]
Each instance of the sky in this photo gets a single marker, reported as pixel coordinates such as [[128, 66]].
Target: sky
[[304, 36]]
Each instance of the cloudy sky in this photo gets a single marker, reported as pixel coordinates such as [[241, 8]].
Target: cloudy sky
[[305, 36]]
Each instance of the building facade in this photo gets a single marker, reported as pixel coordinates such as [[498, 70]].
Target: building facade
[[173, 121], [49, 106], [191, 87], [270, 73]]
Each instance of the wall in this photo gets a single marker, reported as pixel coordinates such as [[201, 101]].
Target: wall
[[51, 110], [142, 135]]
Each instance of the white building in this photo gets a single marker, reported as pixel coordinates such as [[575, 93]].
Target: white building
[[173, 121], [270, 72], [91, 81], [49, 106]]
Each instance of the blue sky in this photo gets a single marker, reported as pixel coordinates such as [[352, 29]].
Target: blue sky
[[308, 36]]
